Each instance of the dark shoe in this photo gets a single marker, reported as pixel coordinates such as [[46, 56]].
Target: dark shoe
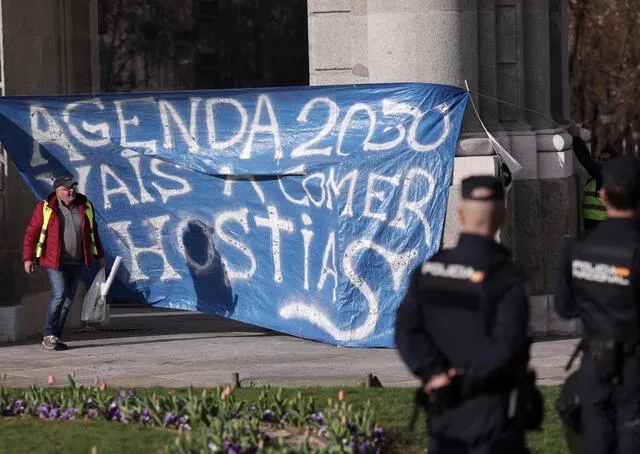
[[49, 342]]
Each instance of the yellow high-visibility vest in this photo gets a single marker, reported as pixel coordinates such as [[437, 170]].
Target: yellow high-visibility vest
[[46, 215], [592, 206]]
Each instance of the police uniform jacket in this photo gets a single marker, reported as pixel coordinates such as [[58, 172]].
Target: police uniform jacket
[[488, 362], [595, 281]]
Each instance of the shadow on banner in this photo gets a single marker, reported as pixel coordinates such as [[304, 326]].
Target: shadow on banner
[[210, 280]]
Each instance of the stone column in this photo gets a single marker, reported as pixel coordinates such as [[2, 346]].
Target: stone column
[[50, 47], [510, 63], [507, 49], [360, 41], [559, 57], [424, 40], [488, 77], [435, 41], [535, 15], [543, 200]]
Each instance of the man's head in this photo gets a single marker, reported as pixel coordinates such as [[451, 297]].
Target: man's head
[[482, 210], [607, 154], [621, 183], [65, 189]]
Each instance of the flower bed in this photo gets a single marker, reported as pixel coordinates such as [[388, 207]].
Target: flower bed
[[211, 420]]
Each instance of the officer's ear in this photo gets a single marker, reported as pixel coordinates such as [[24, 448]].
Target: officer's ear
[[461, 215]]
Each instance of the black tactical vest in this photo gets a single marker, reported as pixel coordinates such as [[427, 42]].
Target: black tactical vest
[[455, 308], [604, 280]]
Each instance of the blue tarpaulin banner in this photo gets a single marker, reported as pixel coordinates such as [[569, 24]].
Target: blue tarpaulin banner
[[302, 210]]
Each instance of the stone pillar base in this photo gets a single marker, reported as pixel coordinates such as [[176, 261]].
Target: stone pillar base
[[545, 322], [11, 327], [543, 210], [26, 319]]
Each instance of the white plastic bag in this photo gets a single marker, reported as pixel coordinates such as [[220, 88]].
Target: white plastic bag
[[94, 305]]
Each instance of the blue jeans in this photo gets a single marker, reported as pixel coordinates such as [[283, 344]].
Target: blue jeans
[[64, 283]]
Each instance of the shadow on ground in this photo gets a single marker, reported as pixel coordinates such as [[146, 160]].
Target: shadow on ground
[[130, 320]]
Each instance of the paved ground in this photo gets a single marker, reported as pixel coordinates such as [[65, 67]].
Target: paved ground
[[155, 347]]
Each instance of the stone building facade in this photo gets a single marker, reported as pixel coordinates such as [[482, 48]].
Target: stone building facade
[[512, 50], [47, 47]]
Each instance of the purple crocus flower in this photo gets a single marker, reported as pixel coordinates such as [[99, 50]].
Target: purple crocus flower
[[168, 418], [131, 394], [268, 416], [114, 413], [145, 416], [66, 416], [323, 431], [364, 447], [54, 413], [213, 447], [16, 408], [379, 433], [43, 411]]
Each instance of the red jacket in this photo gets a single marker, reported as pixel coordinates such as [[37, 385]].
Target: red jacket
[[50, 257]]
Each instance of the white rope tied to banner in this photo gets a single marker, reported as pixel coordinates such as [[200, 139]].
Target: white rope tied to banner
[[511, 163], [508, 103]]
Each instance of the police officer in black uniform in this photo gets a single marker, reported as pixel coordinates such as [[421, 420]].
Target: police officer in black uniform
[[462, 328], [598, 282]]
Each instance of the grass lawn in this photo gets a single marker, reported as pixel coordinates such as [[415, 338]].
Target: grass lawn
[[393, 408]]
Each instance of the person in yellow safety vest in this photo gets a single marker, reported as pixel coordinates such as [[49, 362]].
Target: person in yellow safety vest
[[62, 236], [593, 209]]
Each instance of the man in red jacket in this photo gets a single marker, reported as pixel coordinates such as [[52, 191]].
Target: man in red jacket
[[61, 236]]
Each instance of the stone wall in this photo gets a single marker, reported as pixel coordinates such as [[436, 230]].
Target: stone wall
[[50, 47]]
